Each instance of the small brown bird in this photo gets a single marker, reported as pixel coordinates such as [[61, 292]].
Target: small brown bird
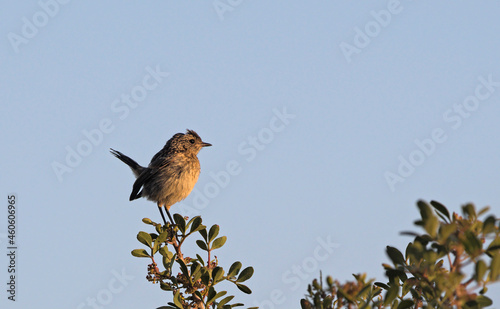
[[172, 173]]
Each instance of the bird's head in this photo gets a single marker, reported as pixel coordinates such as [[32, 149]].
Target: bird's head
[[187, 142]]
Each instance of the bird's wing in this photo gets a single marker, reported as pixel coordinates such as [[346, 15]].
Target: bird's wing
[[146, 174], [158, 163], [159, 158]]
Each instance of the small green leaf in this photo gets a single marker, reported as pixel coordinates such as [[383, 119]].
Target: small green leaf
[[493, 248], [245, 274], [415, 252], [483, 210], [156, 246], [425, 210], [205, 277], [328, 301], [211, 293], [484, 301], [244, 288], [473, 246], [408, 233], [195, 267], [160, 240], [214, 297], [214, 231], [441, 208], [495, 267], [329, 281], [304, 304], [494, 244], [181, 223], [147, 221], [407, 303], [364, 291], [377, 292], [443, 218], [195, 224], [200, 259], [196, 273], [382, 285], [199, 228], [315, 284], [145, 238], [429, 221], [178, 219], [345, 295], [217, 273], [168, 263], [446, 229], [489, 225], [177, 299], [469, 211], [202, 244], [162, 237], [219, 242], [224, 301], [391, 294], [164, 252], [203, 233], [408, 285], [140, 253], [395, 255], [234, 269], [165, 286], [183, 268], [480, 270]]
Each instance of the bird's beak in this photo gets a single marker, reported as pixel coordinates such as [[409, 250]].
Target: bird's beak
[[203, 144]]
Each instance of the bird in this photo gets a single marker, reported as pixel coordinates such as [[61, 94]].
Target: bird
[[171, 174]]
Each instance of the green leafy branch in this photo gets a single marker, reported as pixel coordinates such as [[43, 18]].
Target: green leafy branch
[[194, 285], [431, 273]]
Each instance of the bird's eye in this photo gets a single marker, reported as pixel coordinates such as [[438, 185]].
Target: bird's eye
[[191, 141]]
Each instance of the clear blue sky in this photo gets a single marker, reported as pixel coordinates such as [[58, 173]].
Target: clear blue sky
[[320, 111]]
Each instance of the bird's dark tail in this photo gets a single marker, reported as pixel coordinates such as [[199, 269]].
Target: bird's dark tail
[[136, 168]]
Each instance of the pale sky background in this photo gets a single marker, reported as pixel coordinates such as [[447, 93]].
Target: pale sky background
[[318, 178]]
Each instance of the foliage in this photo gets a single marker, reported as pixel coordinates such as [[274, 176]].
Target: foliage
[[194, 285], [433, 271]]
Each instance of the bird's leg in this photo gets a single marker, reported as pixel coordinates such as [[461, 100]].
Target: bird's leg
[[171, 220], [170, 217], [162, 215]]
